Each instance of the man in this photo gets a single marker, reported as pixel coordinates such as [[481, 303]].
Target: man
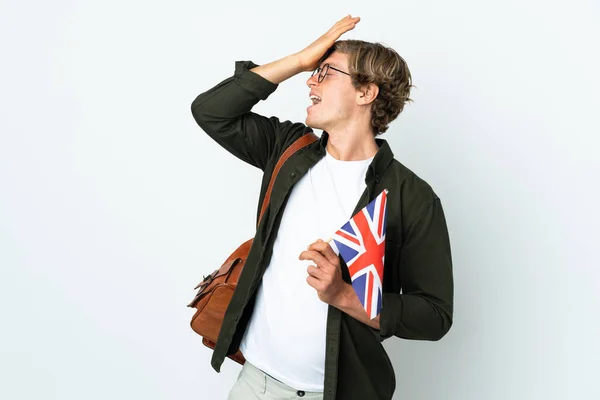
[[294, 314]]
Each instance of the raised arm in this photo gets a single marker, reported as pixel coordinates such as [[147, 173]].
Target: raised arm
[[224, 111]]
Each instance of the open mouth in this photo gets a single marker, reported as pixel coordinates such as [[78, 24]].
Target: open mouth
[[315, 99]]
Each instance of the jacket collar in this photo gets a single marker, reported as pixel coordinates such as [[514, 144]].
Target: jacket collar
[[381, 161]]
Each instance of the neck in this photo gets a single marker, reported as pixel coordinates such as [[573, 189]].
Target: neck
[[351, 146]]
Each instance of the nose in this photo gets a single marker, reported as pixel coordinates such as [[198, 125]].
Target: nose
[[313, 80]]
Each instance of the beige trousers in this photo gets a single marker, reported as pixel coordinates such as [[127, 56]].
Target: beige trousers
[[253, 384]]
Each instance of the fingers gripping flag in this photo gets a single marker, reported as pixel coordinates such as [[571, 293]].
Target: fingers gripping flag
[[361, 243]]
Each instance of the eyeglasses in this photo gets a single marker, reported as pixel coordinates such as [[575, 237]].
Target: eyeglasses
[[322, 71]]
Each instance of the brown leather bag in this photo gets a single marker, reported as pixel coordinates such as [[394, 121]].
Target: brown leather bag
[[216, 290]]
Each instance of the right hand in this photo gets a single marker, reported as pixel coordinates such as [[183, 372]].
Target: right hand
[[310, 56]]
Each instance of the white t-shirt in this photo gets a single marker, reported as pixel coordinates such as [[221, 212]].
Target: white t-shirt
[[285, 337]]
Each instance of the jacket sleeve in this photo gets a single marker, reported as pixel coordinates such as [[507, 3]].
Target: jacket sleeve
[[224, 113], [424, 308]]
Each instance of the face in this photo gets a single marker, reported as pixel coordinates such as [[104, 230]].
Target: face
[[334, 98]]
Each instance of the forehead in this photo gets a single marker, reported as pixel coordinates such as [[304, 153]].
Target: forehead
[[337, 60]]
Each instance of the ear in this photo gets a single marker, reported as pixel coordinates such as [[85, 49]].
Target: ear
[[367, 94]]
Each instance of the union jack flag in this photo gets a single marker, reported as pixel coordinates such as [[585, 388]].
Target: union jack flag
[[361, 243]]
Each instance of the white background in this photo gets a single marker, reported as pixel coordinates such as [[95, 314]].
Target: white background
[[114, 203]]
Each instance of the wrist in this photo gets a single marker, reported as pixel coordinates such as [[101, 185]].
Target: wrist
[[299, 62], [346, 297]]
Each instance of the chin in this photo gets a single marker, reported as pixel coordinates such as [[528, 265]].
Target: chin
[[312, 123]]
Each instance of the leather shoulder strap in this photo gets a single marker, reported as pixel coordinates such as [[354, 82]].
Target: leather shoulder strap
[[300, 143]]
